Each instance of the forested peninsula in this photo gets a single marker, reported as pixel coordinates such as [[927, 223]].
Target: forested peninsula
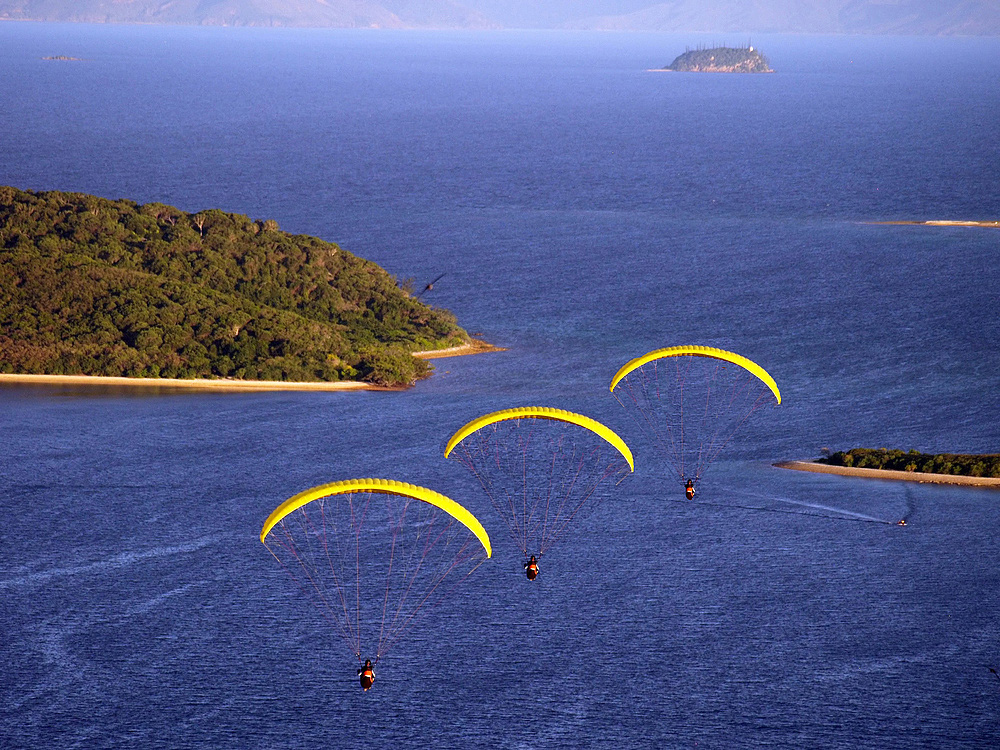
[[721, 60], [90, 286]]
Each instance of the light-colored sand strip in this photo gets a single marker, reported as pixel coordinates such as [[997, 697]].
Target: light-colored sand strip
[[223, 384], [207, 385], [475, 347], [906, 476], [962, 223], [941, 223]]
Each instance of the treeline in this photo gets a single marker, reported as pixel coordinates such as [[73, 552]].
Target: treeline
[[897, 460], [98, 287]]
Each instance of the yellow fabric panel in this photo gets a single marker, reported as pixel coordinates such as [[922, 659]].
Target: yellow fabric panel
[[388, 487], [699, 351], [542, 412]]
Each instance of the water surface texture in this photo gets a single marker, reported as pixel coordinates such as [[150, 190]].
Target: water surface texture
[[584, 211]]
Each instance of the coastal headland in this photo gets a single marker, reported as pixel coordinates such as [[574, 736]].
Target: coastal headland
[[905, 476], [153, 294]]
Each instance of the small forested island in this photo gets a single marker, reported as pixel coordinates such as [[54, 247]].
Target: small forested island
[[910, 466], [90, 286], [913, 461], [721, 60]]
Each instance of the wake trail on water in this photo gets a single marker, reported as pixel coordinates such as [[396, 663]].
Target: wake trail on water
[[841, 514]]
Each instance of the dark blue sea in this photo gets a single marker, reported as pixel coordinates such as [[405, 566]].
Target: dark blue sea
[[584, 211]]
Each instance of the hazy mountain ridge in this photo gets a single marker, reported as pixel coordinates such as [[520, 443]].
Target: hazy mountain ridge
[[969, 17], [386, 14], [938, 17]]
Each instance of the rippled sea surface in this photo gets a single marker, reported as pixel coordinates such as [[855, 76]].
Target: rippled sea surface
[[584, 211]]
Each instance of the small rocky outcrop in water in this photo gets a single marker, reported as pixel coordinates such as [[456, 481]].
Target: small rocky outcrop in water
[[721, 60]]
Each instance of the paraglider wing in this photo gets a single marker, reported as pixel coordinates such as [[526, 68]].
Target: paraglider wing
[[372, 554], [543, 412], [389, 487], [692, 400], [540, 466], [699, 351]]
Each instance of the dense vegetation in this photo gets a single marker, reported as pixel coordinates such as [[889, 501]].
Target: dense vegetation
[[942, 463], [99, 287], [721, 59]]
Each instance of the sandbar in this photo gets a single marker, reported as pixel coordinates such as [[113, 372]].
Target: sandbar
[[473, 347], [905, 476], [941, 223]]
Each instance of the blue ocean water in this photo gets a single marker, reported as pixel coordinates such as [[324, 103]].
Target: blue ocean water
[[584, 211]]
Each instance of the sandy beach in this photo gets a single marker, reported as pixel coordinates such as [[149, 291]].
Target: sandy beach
[[220, 384], [224, 384], [474, 347], [905, 476], [942, 223]]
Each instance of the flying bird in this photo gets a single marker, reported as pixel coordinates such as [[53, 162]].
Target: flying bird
[[431, 285]]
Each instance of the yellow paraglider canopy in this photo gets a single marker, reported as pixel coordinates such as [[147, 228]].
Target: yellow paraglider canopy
[[699, 351], [542, 412], [385, 486]]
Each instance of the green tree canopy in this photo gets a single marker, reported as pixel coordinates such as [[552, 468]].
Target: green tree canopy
[[99, 287], [987, 465]]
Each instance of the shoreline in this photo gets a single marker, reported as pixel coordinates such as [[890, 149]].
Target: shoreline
[[224, 385], [204, 384], [668, 70], [939, 223], [476, 346], [903, 476]]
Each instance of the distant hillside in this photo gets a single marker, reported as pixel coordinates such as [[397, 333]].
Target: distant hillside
[[968, 17], [721, 60], [384, 14], [936, 17], [90, 286]]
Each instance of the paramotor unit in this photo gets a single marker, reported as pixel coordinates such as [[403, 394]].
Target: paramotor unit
[[373, 555], [540, 467], [691, 401]]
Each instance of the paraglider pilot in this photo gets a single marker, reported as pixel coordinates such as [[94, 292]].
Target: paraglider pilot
[[689, 489], [531, 568], [367, 675]]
